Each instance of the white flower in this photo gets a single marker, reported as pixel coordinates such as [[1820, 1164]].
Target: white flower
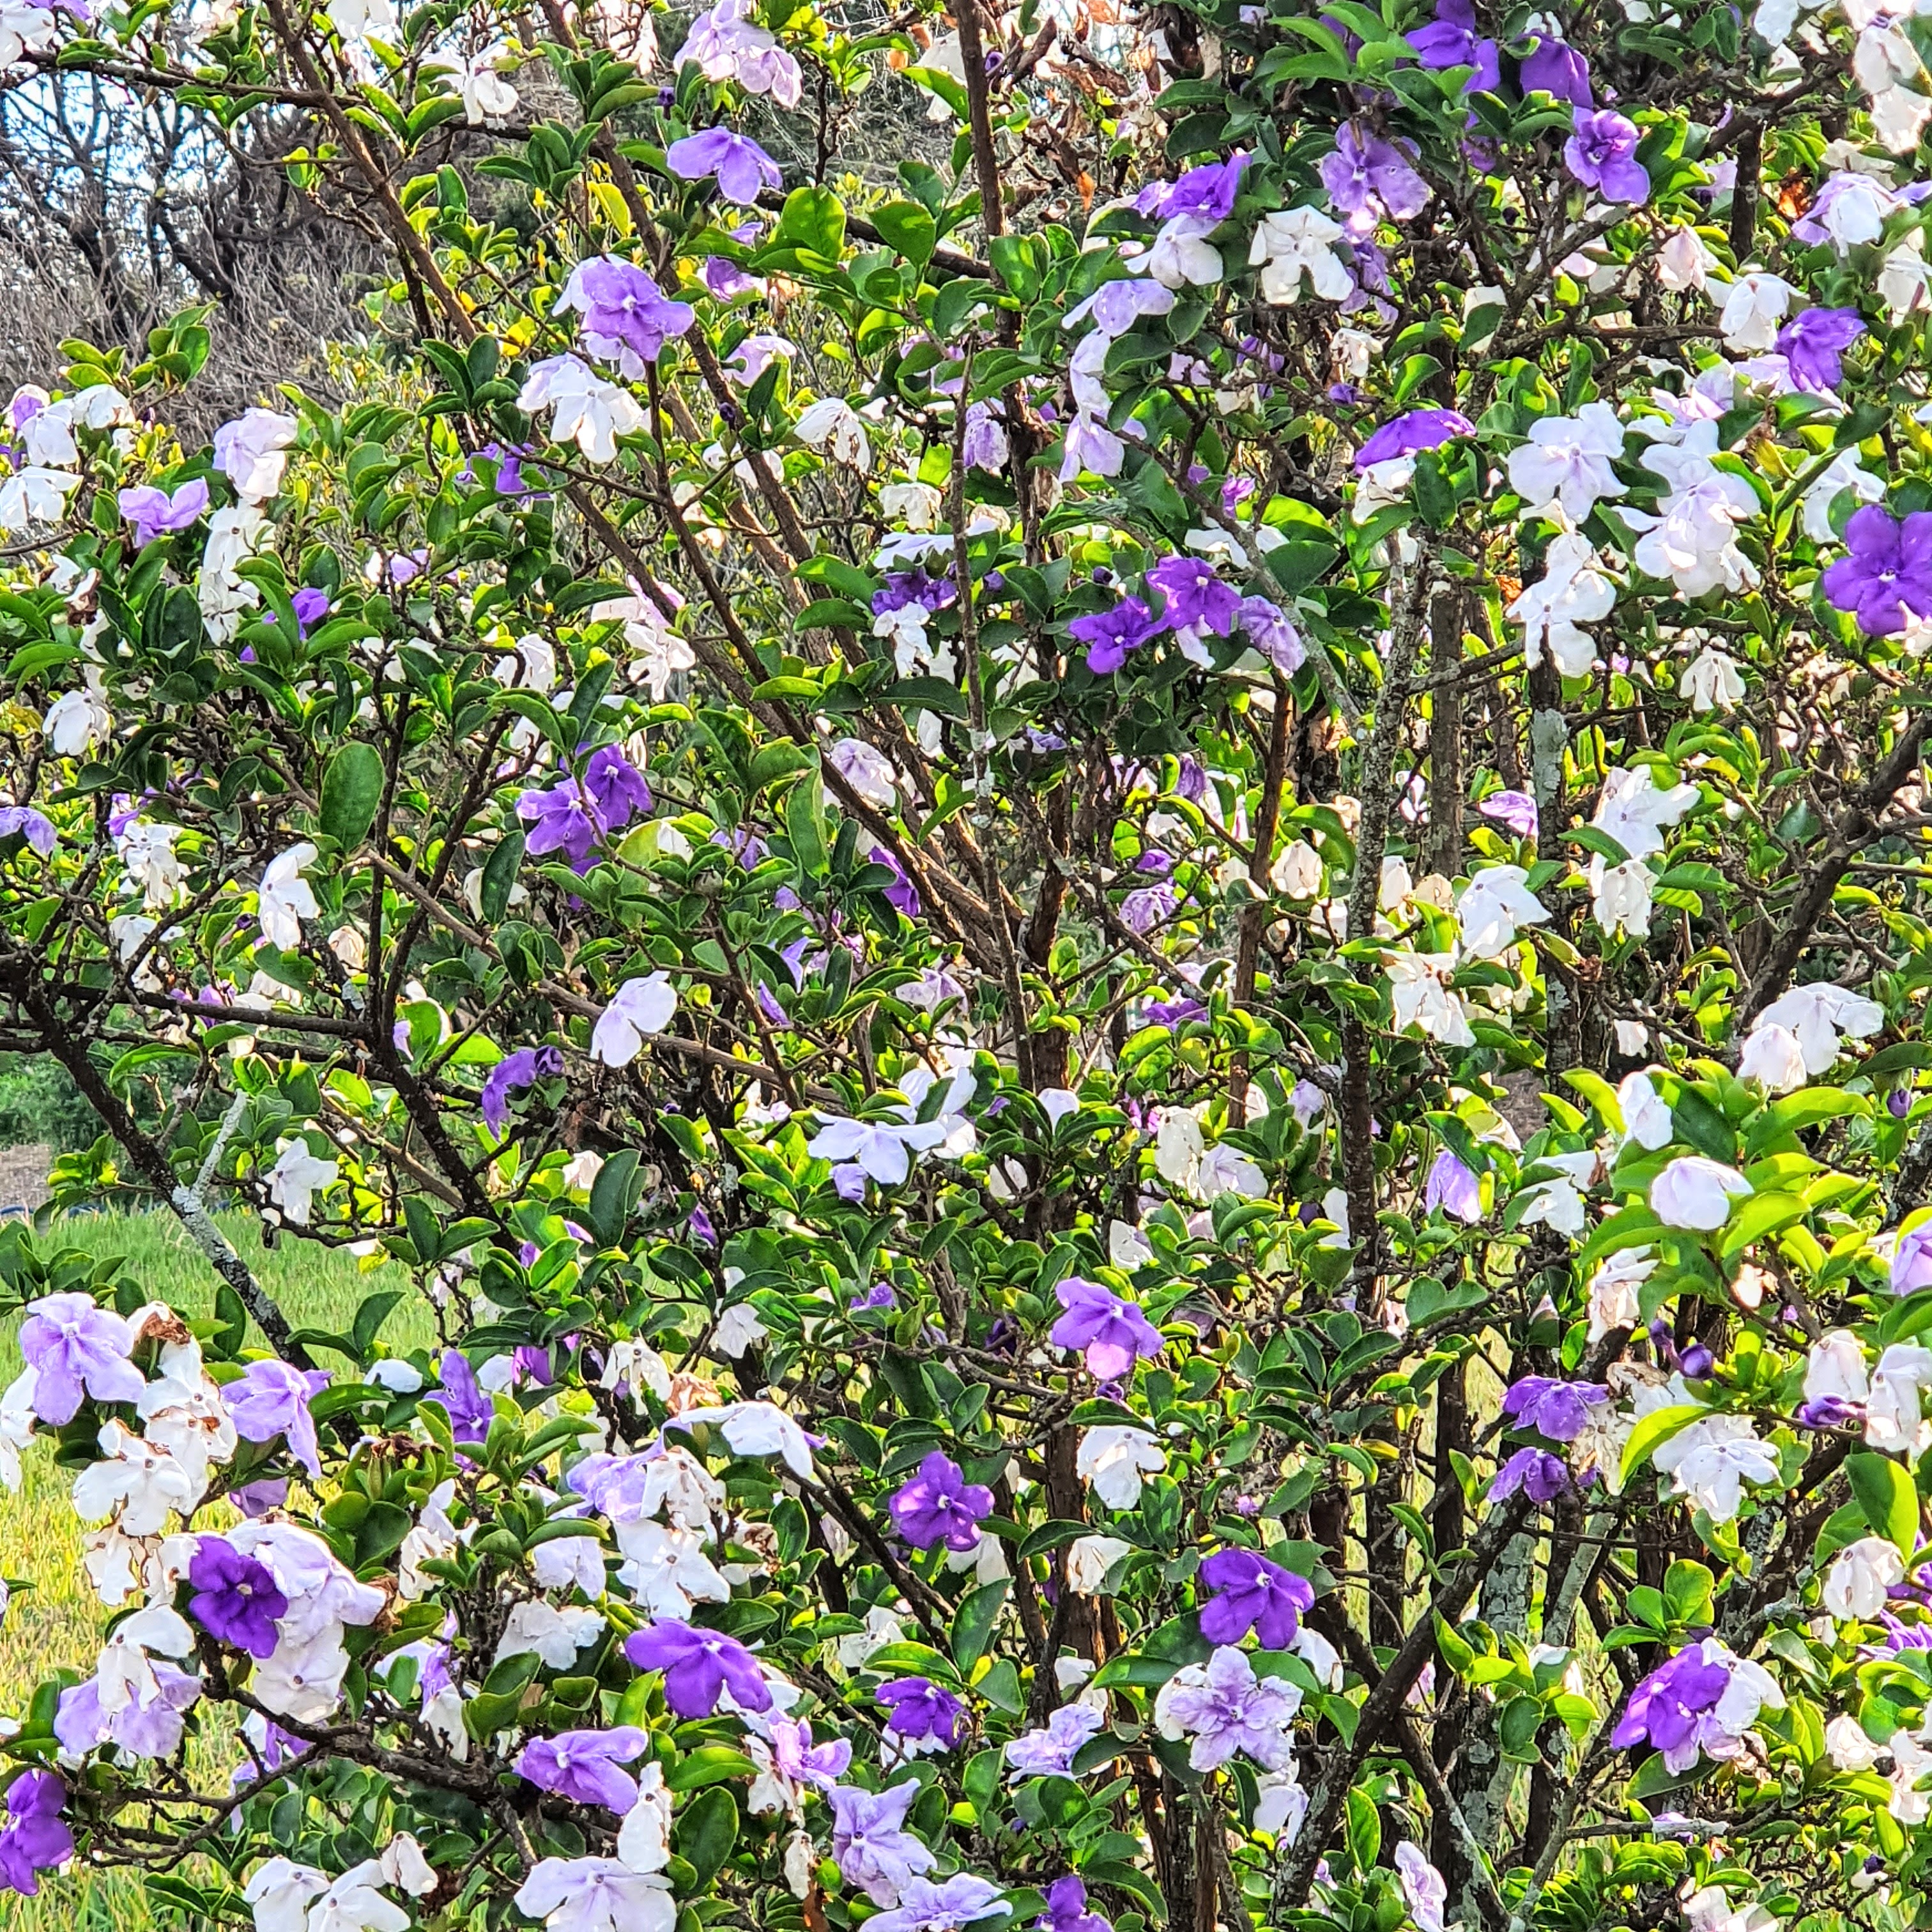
[[294, 1177], [252, 452], [1295, 241], [1904, 282], [222, 593], [1621, 895], [1646, 1119], [1910, 1760], [77, 721], [25, 30], [1127, 1247], [1114, 1458], [1773, 1058], [1683, 262], [643, 1840], [279, 1891], [915, 504], [1225, 1170], [1712, 682], [553, 1636], [283, 899], [883, 1148], [1088, 1560], [1181, 256], [666, 1570], [1613, 1291], [1298, 871], [1495, 903], [832, 423], [1711, 1460], [1693, 537], [1423, 997], [1835, 1370], [590, 412], [1281, 1804], [755, 1429], [1566, 462], [123, 1675], [1860, 1576], [597, 1895], [1573, 590], [1893, 1422], [1848, 1748], [352, 1904], [1694, 1191], [137, 1484], [1558, 1203], [1752, 311], [34, 495], [1818, 1015], [638, 1007], [1178, 1145], [486, 94], [867, 770], [570, 1562], [739, 1328]]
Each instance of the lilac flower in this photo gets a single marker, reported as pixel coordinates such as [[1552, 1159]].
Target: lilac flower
[[726, 279], [271, 1400], [741, 166], [902, 892], [1111, 1328], [155, 513], [920, 1709], [1141, 911], [873, 1850], [939, 1505], [257, 1499], [1066, 1910], [235, 1600], [795, 1758], [152, 1730], [1541, 1476], [1555, 68], [1273, 635], [626, 318], [1406, 434], [1172, 1013], [616, 790], [1453, 1188], [311, 605], [698, 1666], [36, 827], [513, 1072], [1667, 1709], [1228, 1711], [1252, 1594], [34, 1839], [69, 1343], [1888, 572], [1050, 1752], [583, 1765], [1601, 153], [461, 1398], [1911, 1260], [1559, 1410], [879, 1295], [947, 1906], [1196, 598], [1811, 343], [986, 447], [1206, 192], [561, 820], [1516, 809], [1450, 40], [1110, 635], [1369, 180]]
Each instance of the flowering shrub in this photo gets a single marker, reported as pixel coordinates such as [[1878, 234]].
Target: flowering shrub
[[1132, 936]]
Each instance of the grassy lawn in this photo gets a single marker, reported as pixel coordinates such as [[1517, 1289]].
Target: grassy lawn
[[59, 1621]]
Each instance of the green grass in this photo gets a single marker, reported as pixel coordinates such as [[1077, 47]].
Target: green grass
[[59, 1621]]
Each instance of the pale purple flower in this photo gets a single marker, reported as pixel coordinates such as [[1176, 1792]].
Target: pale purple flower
[[70, 1344], [945, 1905], [627, 319], [1516, 809], [1911, 1260], [902, 892], [726, 279], [1206, 192], [698, 1666], [584, 1766], [1601, 153], [1229, 1711], [1252, 1594], [1369, 179], [1112, 1329], [740, 166], [271, 1400], [152, 1730], [36, 827], [1142, 910], [155, 513], [1050, 1752], [1453, 1188], [1415, 430], [986, 444], [939, 1505], [1273, 634], [797, 1759], [873, 1850]]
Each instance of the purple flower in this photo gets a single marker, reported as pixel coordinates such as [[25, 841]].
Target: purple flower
[[939, 1505], [1110, 635], [698, 1666], [1172, 1013], [920, 1708], [1887, 573], [1557, 1411], [873, 1850], [1141, 911], [1811, 343], [1229, 1711], [513, 1072], [1196, 598], [848, 1180], [796, 1757], [69, 1343], [561, 820], [726, 279], [258, 1499], [235, 1600], [1542, 1476], [461, 1398], [1050, 1752], [879, 1295], [1252, 1594], [1274, 636], [583, 1765], [1111, 1328], [36, 827], [155, 513], [1556, 68], [1601, 153], [902, 892], [1066, 1910], [271, 1400], [1453, 1188], [1206, 193], [1669, 1708], [1450, 40], [1407, 434], [310, 606], [742, 167], [1369, 179], [623, 310], [617, 791], [1911, 1260], [1516, 809], [34, 1839]]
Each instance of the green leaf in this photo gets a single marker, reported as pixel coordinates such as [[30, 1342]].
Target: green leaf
[[1884, 1492], [805, 822], [906, 227], [973, 1624], [710, 1764], [813, 218], [1365, 1831], [351, 792], [500, 876], [707, 1832]]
